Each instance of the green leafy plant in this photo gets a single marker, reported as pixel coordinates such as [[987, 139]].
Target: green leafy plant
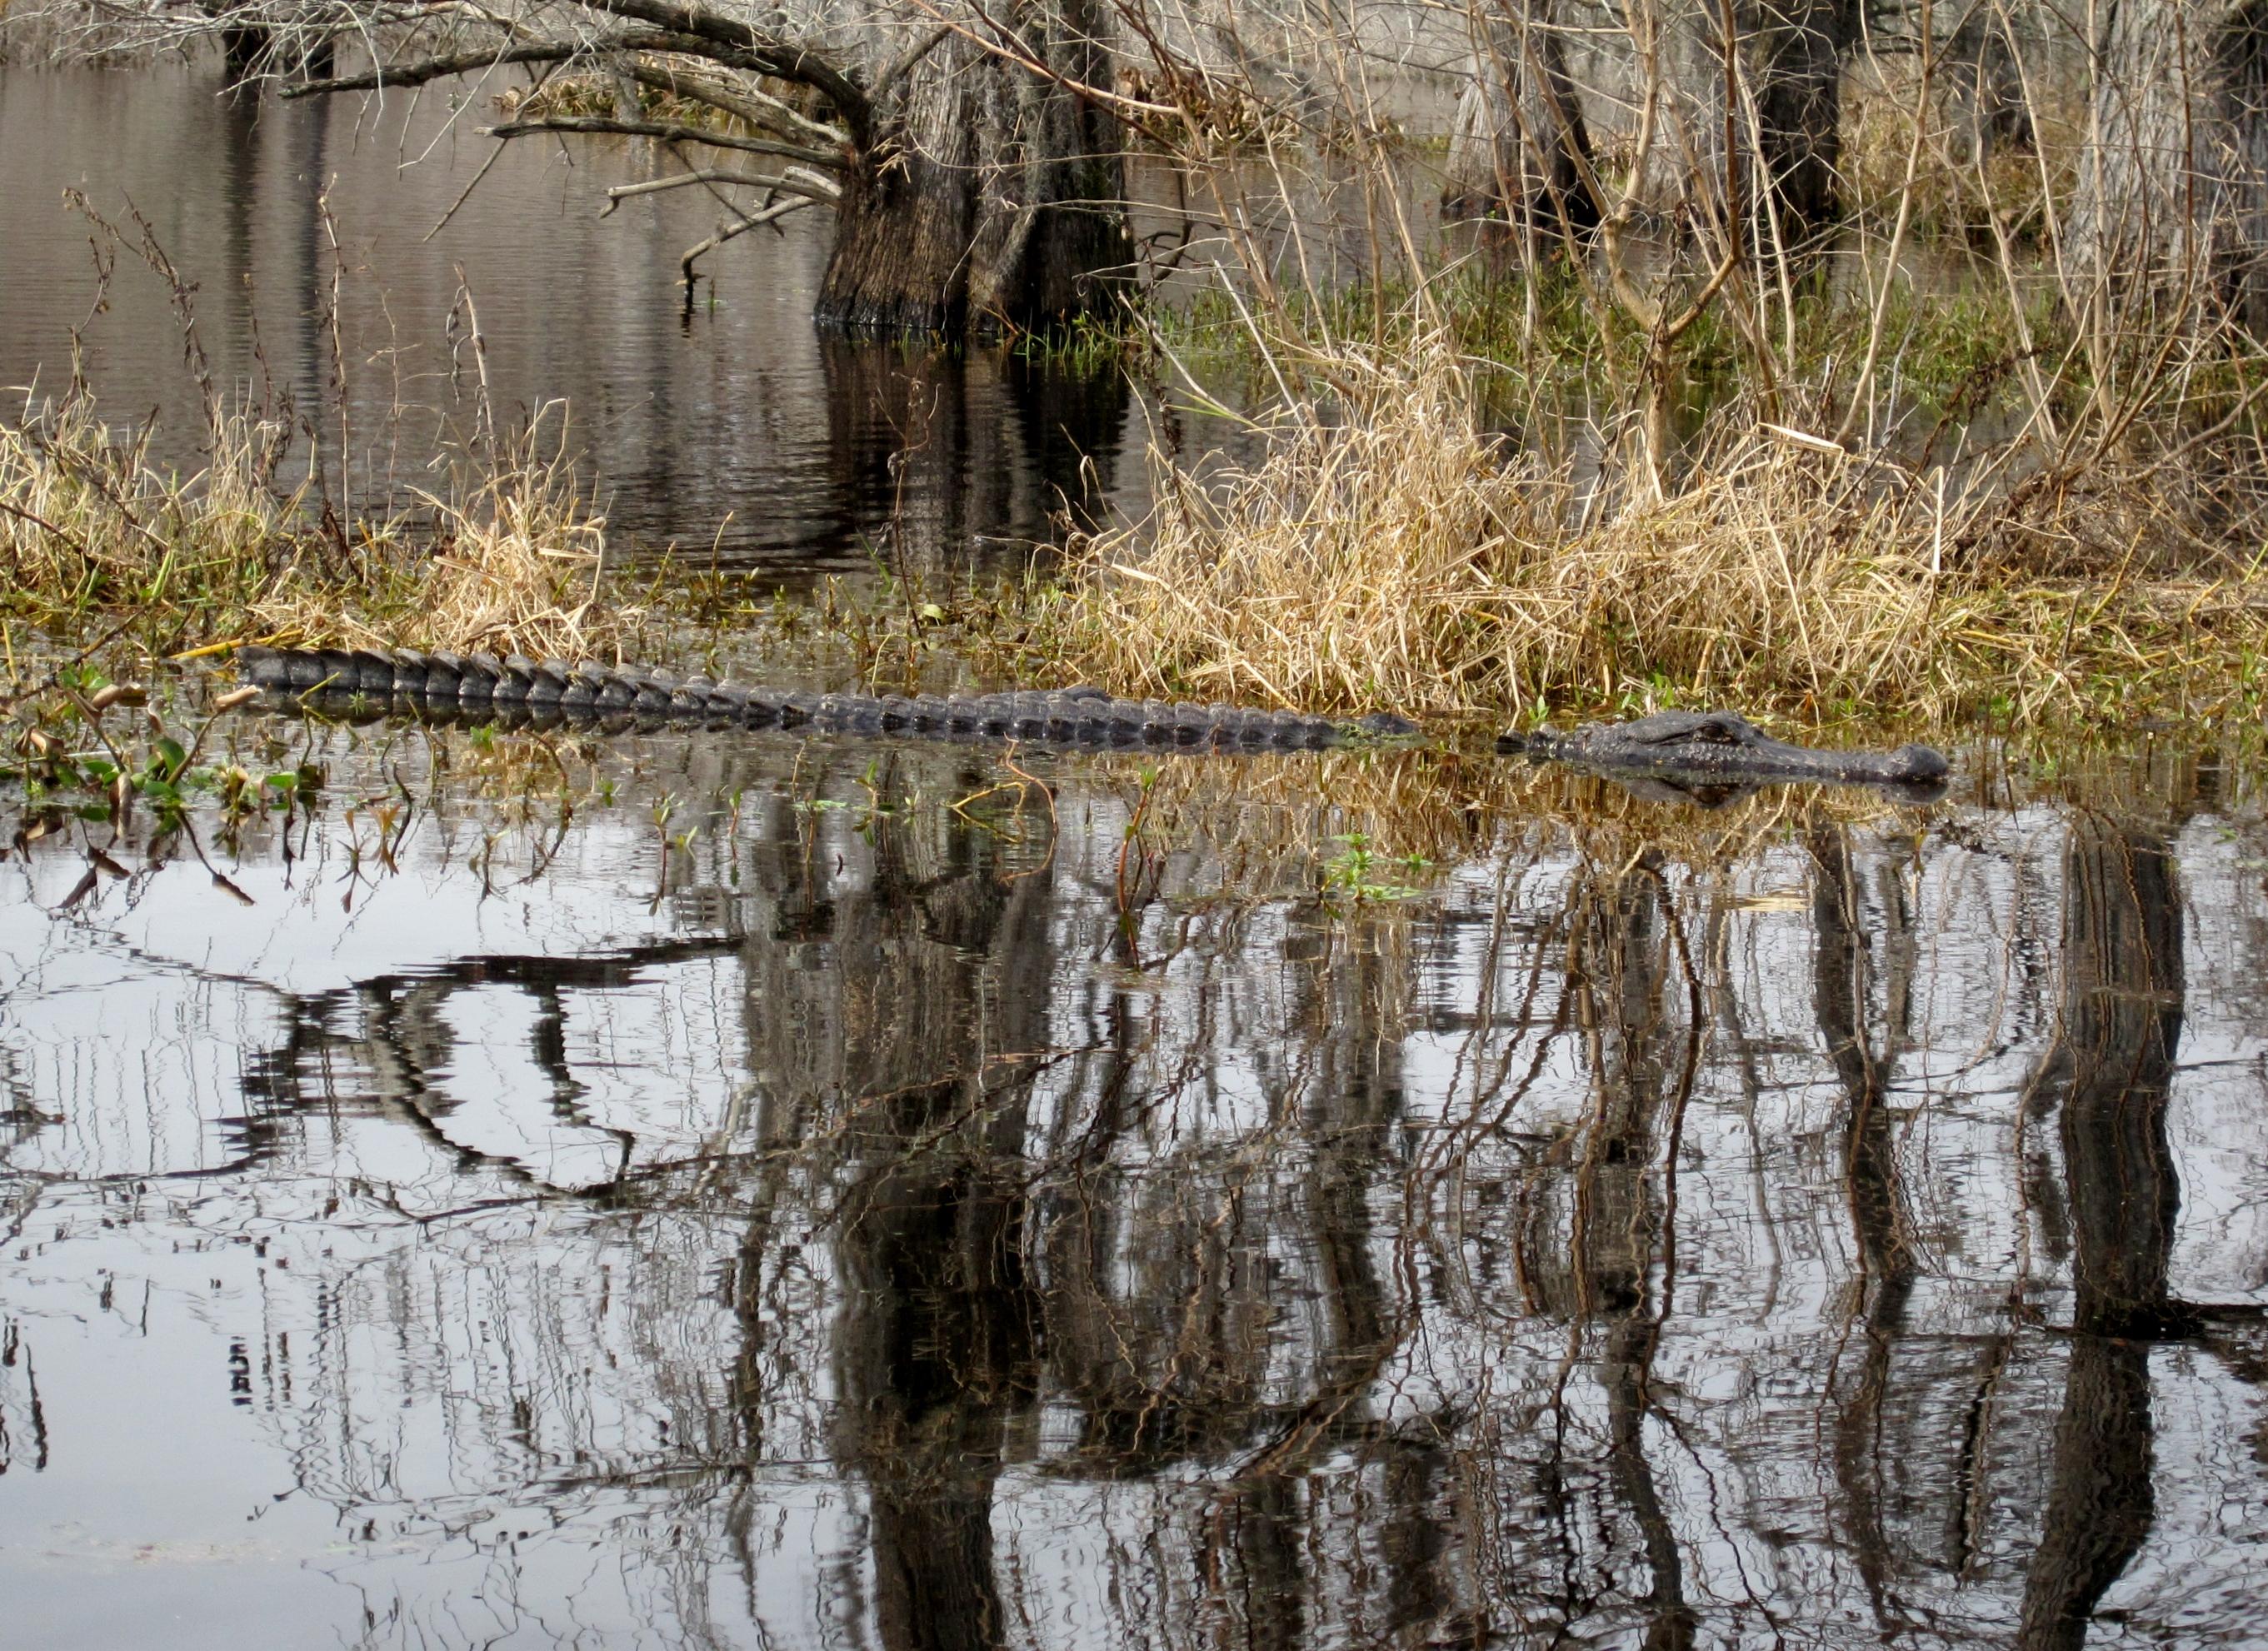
[[1355, 874]]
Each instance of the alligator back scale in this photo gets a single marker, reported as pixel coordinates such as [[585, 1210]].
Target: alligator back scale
[[536, 689]]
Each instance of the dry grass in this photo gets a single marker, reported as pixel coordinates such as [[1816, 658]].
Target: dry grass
[[92, 532], [86, 520], [524, 566], [513, 562], [1358, 566], [1396, 555]]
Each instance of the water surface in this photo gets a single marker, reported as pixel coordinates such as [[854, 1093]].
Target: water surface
[[722, 1190], [728, 427], [834, 1194]]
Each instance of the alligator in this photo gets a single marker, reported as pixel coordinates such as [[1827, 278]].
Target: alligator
[[1706, 756], [517, 689], [1710, 756]]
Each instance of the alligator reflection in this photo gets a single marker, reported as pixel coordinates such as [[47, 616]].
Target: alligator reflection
[[1639, 1238]]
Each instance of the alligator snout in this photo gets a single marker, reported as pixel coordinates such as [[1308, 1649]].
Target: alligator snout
[[1917, 765]]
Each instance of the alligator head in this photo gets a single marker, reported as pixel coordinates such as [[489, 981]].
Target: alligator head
[[1710, 756]]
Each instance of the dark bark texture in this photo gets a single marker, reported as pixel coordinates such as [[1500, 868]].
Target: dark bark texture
[[990, 197], [1794, 50], [251, 48]]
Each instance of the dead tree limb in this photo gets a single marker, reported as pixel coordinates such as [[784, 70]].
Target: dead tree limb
[[808, 184], [670, 132], [417, 74], [754, 220]]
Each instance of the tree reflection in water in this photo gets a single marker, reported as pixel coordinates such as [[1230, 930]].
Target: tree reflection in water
[[1657, 1234], [2108, 1074]]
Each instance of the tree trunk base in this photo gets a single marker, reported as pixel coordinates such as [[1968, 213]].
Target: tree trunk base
[[911, 260], [991, 203]]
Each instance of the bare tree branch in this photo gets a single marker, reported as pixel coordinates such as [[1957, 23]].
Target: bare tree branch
[[417, 74], [784, 60], [754, 220], [742, 102], [793, 179], [670, 132], [746, 103]]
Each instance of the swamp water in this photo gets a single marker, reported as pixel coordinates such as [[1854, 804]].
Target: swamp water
[[730, 1189], [834, 1194], [729, 428]]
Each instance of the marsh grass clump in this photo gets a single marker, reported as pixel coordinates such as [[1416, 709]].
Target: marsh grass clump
[[89, 524], [521, 563], [1388, 552], [1353, 567], [507, 554], [512, 559]]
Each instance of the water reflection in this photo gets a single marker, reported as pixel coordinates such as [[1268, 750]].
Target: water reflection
[[832, 1210], [729, 425], [2107, 1079]]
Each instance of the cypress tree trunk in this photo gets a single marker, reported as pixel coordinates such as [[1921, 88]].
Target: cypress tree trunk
[[990, 198], [1519, 150], [1794, 50], [2173, 180]]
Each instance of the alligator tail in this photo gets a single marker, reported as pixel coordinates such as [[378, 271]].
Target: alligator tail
[[552, 690]]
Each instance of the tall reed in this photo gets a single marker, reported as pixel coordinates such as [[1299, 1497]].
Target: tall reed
[[507, 555]]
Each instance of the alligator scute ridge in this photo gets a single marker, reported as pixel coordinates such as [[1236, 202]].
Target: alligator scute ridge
[[453, 684], [1701, 756]]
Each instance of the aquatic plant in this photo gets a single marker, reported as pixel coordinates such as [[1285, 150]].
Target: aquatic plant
[[64, 756]]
